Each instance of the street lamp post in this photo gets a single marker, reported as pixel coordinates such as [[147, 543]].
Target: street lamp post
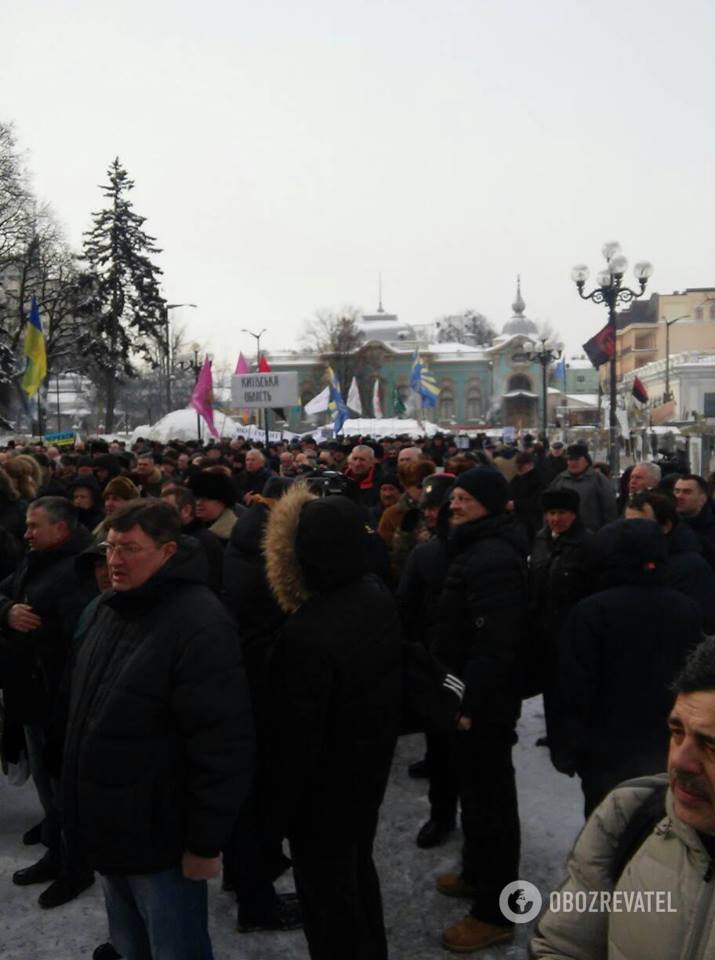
[[195, 367], [167, 350], [667, 396], [257, 338], [545, 355], [611, 292]]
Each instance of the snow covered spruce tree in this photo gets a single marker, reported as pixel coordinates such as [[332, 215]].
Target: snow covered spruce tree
[[130, 313]]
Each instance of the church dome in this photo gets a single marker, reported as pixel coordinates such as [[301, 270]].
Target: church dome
[[518, 322]]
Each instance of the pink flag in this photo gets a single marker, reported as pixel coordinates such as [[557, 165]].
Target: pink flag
[[242, 365], [203, 395]]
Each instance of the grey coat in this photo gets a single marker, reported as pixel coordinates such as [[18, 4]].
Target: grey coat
[[597, 499]]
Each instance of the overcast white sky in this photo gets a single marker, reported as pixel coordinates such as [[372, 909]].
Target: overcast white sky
[[284, 153]]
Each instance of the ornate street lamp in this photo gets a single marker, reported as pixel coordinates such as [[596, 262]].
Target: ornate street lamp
[[195, 368], [545, 353], [610, 291], [167, 347]]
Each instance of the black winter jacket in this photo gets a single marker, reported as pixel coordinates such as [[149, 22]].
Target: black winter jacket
[[337, 671], [159, 747], [688, 572], [31, 664], [703, 526], [213, 547], [619, 652], [419, 590], [482, 616], [559, 576], [525, 490]]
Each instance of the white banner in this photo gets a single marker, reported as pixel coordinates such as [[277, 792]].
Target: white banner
[[319, 403], [376, 404], [354, 401]]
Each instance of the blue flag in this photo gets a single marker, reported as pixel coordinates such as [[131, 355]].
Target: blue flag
[[424, 383], [336, 404], [560, 372]]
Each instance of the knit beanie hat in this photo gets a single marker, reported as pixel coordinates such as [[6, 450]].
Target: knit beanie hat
[[560, 500], [121, 487], [487, 485]]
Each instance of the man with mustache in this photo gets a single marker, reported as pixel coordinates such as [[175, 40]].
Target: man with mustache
[[651, 842]]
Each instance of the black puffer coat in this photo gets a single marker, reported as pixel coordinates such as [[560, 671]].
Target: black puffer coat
[[703, 526], [245, 587], [159, 747], [31, 664], [560, 573], [419, 590], [619, 651], [483, 614], [688, 571], [525, 490], [337, 670]]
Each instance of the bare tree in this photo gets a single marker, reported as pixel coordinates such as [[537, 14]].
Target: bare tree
[[336, 336], [469, 327]]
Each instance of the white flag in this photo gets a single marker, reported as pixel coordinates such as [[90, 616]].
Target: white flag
[[354, 401], [319, 403], [376, 405]]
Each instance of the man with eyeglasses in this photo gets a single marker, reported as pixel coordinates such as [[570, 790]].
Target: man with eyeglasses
[[159, 747]]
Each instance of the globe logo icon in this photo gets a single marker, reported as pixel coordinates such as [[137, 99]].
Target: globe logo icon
[[520, 901]]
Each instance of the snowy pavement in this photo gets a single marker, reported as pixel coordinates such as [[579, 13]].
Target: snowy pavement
[[551, 815]]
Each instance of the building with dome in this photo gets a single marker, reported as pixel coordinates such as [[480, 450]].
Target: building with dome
[[480, 386]]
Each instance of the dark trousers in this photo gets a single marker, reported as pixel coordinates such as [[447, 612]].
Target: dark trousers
[[60, 845], [490, 816], [250, 860], [339, 893], [442, 780]]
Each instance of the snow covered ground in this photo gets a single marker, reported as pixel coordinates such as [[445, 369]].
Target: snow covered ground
[[550, 806]]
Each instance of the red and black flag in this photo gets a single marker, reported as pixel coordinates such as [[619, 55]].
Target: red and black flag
[[639, 390], [600, 349]]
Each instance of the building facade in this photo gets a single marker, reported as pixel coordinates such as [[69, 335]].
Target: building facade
[[674, 323], [480, 386]]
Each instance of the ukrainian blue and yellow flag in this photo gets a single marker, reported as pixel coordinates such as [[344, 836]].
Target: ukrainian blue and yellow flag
[[336, 405], [424, 383], [36, 369]]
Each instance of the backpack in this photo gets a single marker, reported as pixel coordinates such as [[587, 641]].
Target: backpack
[[638, 829]]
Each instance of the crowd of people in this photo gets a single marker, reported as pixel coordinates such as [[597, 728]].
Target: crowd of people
[[188, 679]]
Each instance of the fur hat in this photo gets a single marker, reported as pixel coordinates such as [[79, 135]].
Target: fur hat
[[436, 488], [576, 450], [560, 500], [213, 486], [487, 485], [121, 487], [414, 473]]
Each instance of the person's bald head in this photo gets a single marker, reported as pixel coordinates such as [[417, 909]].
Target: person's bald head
[[409, 455]]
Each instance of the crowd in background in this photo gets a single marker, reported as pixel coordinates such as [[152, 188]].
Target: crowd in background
[[186, 669]]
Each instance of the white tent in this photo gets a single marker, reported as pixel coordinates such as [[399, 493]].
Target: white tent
[[387, 427], [181, 425]]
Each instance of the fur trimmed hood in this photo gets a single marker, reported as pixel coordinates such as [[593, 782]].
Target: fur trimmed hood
[[283, 571], [314, 545]]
